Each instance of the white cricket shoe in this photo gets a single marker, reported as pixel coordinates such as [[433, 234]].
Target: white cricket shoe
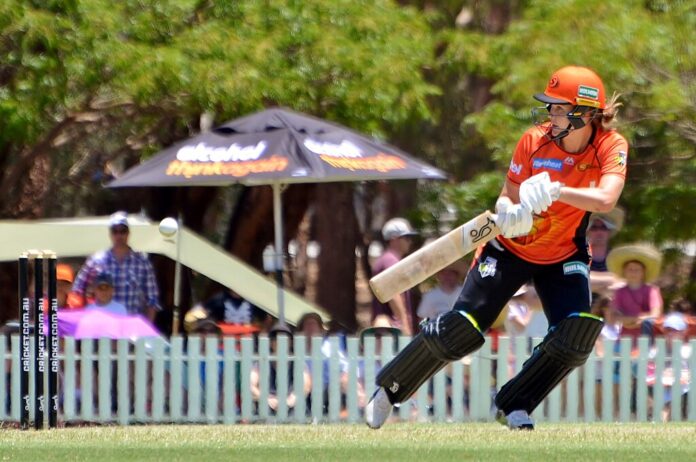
[[378, 409], [516, 420]]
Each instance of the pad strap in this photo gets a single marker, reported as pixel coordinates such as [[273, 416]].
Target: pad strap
[[452, 335]]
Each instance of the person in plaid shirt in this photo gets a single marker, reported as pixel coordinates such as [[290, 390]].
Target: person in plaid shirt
[[133, 276]]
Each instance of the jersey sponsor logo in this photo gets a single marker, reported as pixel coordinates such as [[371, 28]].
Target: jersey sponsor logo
[[576, 267], [582, 166], [621, 158], [515, 168], [549, 164], [487, 267], [569, 161]]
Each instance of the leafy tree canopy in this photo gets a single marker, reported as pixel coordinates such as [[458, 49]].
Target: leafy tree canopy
[[85, 82], [641, 51]]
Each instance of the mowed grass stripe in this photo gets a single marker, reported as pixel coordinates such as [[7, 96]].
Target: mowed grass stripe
[[398, 442]]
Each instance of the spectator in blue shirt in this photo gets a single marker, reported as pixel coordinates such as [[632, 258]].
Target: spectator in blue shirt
[[134, 280]]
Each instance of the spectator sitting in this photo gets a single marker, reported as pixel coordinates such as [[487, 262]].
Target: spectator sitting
[[519, 315], [686, 308], [379, 330], [602, 227], [601, 306], [255, 377], [683, 307], [441, 298], [103, 295], [538, 325], [311, 325], [638, 300], [197, 321], [227, 306], [674, 375], [64, 278], [133, 276]]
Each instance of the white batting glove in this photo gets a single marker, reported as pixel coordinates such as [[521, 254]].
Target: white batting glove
[[538, 192], [513, 219]]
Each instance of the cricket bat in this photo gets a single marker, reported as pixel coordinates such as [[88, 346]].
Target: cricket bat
[[431, 258]]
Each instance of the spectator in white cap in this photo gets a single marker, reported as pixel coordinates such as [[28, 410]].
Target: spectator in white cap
[[675, 321], [397, 234], [134, 280]]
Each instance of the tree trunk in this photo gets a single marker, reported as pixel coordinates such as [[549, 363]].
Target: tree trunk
[[337, 233], [251, 226], [9, 303]]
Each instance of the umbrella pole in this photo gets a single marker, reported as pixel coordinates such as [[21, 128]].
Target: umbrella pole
[[278, 231], [177, 279]]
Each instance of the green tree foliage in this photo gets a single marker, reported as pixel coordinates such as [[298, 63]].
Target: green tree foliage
[[89, 87], [95, 83], [641, 49]]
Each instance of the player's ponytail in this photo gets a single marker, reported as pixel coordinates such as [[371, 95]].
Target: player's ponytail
[[607, 118]]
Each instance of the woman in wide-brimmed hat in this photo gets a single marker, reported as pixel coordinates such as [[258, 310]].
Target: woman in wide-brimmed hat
[[639, 300]]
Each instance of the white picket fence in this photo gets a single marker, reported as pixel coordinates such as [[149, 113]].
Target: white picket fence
[[206, 380]]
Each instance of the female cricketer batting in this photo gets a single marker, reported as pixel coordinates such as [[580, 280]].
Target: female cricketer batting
[[562, 170]]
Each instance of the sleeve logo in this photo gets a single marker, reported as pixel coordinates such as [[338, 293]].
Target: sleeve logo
[[515, 168], [621, 158]]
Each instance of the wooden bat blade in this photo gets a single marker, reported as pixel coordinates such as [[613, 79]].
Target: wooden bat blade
[[431, 258]]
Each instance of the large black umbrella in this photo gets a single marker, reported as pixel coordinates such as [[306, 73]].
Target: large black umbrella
[[276, 147]]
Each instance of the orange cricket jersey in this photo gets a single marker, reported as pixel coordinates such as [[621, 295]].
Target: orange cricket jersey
[[552, 236]]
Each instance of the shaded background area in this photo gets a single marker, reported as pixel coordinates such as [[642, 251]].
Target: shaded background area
[[90, 89]]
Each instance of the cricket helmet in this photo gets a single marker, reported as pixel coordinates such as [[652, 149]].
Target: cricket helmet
[[576, 85]]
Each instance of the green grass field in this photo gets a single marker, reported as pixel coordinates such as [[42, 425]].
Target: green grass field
[[398, 442]]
